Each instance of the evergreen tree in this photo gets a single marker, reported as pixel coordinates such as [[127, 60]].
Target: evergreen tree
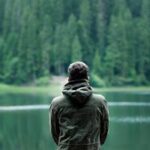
[[45, 40], [2, 10], [22, 49], [1, 59], [71, 31], [76, 50], [85, 24], [143, 60], [9, 53], [97, 63], [118, 49], [103, 14], [56, 52], [6, 24], [39, 37]]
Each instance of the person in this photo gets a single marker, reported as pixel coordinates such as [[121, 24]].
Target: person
[[78, 118]]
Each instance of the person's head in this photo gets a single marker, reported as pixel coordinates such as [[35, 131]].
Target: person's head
[[78, 70]]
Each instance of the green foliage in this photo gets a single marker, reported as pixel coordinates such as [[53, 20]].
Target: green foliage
[[120, 81], [76, 49], [96, 81], [42, 38], [97, 63], [42, 81], [1, 58], [11, 72]]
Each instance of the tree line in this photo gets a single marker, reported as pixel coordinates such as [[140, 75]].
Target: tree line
[[42, 37]]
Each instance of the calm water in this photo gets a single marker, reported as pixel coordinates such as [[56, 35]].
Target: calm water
[[24, 122]]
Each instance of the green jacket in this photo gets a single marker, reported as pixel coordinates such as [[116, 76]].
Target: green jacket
[[79, 118]]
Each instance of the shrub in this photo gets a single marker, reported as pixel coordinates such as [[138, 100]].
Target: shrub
[[42, 81], [96, 81]]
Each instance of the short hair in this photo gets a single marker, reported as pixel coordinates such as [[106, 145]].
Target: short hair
[[78, 70]]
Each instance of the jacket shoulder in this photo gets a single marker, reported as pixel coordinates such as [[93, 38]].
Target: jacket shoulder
[[100, 99], [57, 100], [98, 96]]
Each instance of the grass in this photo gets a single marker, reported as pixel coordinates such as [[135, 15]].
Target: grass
[[124, 89], [55, 89], [51, 89]]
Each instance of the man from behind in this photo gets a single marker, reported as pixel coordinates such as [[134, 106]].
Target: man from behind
[[79, 118]]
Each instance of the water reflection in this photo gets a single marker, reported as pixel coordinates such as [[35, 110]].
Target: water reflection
[[130, 119], [24, 122], [46, 106]]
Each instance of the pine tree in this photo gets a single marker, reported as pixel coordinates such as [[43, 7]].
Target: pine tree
[[143, 60], [42, 36], [1, 60], [97, 63], [9, 54], [103, 13], [76, 50], [85, 25], [22, 49], [2, 10], [7, 18], [118, 49], [56, 52], [45, 40], [71, 31]]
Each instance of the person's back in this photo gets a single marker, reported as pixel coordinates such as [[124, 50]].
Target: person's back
[[79, 118]]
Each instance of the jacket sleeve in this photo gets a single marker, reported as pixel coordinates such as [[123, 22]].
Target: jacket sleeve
[[53, 121], [104, 122]]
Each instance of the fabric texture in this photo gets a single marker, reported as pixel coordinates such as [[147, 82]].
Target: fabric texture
[[79, 118]]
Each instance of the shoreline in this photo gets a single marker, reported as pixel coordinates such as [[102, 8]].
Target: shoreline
[[55, 89]]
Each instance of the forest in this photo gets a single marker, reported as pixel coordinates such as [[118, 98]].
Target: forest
[[41, 38]]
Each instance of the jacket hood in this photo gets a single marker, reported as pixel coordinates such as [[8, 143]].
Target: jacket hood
[[78, 91]]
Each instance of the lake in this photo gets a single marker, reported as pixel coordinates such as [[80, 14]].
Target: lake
[[24, 122]]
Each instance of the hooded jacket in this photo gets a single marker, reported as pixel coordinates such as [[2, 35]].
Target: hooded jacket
[[79, 118]]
